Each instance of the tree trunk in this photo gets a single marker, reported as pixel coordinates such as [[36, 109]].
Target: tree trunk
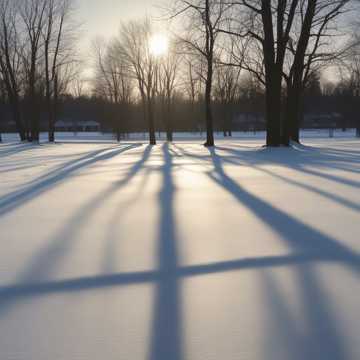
[[51, 128], [151, 122], [51, 121], [273, 109], [53, 111], [168, 122], [34, 119], [288, 119], [17, 119], [208, 108], [293, 114]]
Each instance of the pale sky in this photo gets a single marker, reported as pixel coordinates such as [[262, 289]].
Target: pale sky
[[102, 17]]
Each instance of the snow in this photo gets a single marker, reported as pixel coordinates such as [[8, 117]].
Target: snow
[[177, 252]]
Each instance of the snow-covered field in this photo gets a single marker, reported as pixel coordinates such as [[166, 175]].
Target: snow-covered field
[[177, 252]]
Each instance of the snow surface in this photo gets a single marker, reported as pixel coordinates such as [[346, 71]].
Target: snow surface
[[177, 252]]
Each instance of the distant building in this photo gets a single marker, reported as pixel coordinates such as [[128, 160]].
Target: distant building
[[253, 121], [322, 120], [69, 125]]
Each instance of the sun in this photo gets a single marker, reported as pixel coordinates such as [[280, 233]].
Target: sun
[[158, 44]]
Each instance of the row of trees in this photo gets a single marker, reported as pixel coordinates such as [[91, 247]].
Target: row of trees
[[37, 60], [280, 44], [223, 52]]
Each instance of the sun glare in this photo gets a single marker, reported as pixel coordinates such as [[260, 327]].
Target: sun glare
[[159, 45]]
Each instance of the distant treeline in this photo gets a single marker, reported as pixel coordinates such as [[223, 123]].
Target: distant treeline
[[188, 116]]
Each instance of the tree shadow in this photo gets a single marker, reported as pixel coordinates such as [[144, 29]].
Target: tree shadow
[[20, 197], [325, 194], [307, 244], [300, 161], [320, 339], [109, 264], [166, 329], [297, 235], [239, 158], [17, 148], [316, 336], [40, 267]]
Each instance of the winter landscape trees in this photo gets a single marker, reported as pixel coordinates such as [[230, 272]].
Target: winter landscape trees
[[122, 237], [198, 80], [36, 39]]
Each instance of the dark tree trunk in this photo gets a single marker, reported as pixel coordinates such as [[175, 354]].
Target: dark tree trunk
[[151, 122], [229, 117], [297, 79], [53, 109], [293, 113], [273, 109], [208, 108], [35, 131], [118, 133], [288, 119], [273, 77], [51, 120], [223, 112], [34, 119], [17, 119], [210, 42], [295, 121], [168, 122]]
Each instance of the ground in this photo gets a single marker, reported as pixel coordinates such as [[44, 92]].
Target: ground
[[178, 252]]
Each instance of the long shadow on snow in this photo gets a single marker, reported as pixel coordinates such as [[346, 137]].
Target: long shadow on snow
[[298, 236], [310, 246], [109, 263], [325, 194], [166, 330], [298, 163], [241, 159], [18, 198], [45, 261], [33, 289], [17, 148], [320, 339], [313, 336]]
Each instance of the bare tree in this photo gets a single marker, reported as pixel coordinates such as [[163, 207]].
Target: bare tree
[[192, 83], [226, 91], [78, 84], [351, 74], [59, 36], [310, 47], [285, 34], [268, 24], [134, 48], [205, 19], [112, 81], [33, 15], [168, 73], [10, 60]]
